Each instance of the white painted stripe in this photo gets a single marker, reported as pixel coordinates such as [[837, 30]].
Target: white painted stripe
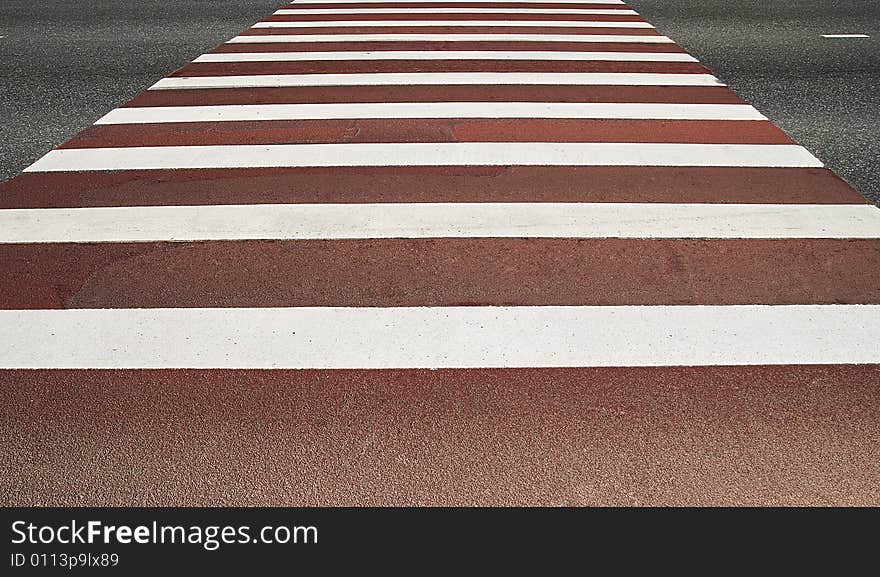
[[438, 78], [243, 112], [437, 220], [845, 36], [446, 55], [480, 23], [287, 38], [346, 11], [501, 3], [426, 154], [439, 337]]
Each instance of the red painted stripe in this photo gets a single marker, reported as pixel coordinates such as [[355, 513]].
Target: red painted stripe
[[428, 130], [440, 272], [459, 16], [428, 184], [757, 435], [379, 66], [453, 93], [403, 29], [459, 45]]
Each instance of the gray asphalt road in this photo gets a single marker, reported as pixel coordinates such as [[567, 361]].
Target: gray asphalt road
[[64, 64], [823, 92]]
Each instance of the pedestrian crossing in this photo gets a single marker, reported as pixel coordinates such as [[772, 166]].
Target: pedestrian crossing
[[478, 189]]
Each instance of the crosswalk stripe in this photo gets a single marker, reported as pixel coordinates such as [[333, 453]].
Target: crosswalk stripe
[[437, 78], [369, 68], [426, 154], [475, 3], [430, 110], [460, 43], [440, 272], [380, 184], [402, 131], [438, 220], [441, 337], [441, 2], [445, 55], [496, 66], [600, 94], [778, 435], [354, 11], [481, 37], [449, 23]]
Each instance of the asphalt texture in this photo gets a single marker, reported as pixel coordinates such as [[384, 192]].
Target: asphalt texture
[[66, 64], [821, 91]]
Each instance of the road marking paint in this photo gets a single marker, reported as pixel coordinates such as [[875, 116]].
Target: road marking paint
[[249, 70], [244, 112], [426, 154], [480, 23], [446, 55], [441, 337], [437, 220], [475, 11], [603, 38], [617, 2], [845, 36], [438, 78]]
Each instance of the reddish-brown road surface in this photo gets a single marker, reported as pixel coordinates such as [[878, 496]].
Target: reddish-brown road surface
[[428, 252]]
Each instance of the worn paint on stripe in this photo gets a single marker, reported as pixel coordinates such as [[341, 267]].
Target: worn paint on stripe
[[585, 38], [431, 110], [441, 337], [452, 23], [438, 78], [426, 154], [438, 220]]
